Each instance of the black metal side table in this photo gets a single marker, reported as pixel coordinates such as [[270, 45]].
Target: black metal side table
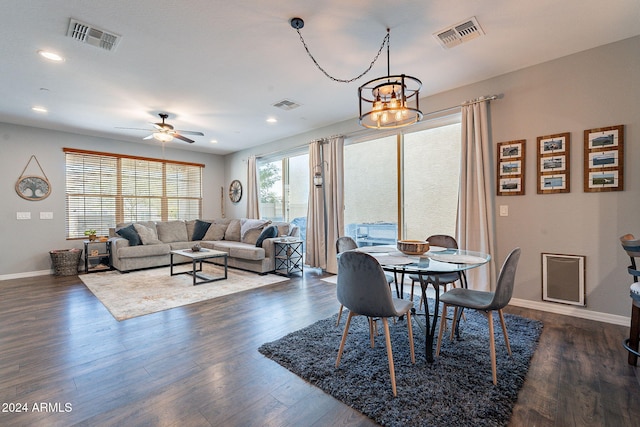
[[97, 256], [288, 256]]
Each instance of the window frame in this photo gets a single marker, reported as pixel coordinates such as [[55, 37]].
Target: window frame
[[109, 196]]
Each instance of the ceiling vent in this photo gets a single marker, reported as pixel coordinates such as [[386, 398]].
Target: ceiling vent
[[457, 34], [92, 35], [286, 104]]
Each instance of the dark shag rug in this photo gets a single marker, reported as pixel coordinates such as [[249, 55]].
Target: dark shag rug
[[455, 390]]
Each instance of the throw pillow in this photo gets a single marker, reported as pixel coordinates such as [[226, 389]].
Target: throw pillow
[[172, 231], [269, 232], [215, 232], [147, 235], [251, 236], [200, 229], [251, 224], [283, 228], [129, 232], [233, 231]]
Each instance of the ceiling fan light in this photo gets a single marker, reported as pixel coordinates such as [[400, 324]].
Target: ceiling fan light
[[162, 136]]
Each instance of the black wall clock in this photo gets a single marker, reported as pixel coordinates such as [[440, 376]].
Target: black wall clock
[[235, 191]]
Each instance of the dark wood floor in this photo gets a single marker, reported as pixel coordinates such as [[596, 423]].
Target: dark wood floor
[[199, 365]]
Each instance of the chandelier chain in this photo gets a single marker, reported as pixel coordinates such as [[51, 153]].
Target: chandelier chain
[[385, 41]]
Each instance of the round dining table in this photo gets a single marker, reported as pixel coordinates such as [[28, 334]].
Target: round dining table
[[427, 267]]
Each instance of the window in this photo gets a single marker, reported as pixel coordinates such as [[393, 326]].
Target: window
[[371, 191], [431, 179], [403, 185], [104, 189], [284, 188]]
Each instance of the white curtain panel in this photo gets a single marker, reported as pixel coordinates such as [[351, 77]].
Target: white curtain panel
[[315, 250], [253, 206], [476, 216], [334, 198], [325, 217]]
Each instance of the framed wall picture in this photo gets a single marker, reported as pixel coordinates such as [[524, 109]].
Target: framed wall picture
[[553, 162], [511, 163], [33, 187], [604, 159]]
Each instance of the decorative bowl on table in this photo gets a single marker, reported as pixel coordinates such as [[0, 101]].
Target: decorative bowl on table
[[413, 247]]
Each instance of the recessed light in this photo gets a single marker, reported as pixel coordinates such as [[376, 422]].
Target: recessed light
[[39, 109], [214, 141], [52, 56], [272, 120]]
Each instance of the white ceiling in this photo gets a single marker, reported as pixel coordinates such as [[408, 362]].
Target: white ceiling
[[219, 66]]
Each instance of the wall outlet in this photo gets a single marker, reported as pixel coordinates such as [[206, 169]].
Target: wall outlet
[[504, 210], [23, 215], [46, 215]]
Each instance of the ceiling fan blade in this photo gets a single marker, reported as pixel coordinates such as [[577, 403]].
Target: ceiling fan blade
[[148, 130], [148, 137], [190, 132], [184, 138]]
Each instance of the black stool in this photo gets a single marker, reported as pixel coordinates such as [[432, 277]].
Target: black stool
[[632, 246]]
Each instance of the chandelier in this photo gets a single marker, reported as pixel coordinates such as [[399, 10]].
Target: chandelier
[[390, 102], [387, 102]]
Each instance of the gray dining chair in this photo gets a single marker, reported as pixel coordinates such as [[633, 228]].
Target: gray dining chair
[[485, 302], [444, 279], [364, 290], [346, 243]]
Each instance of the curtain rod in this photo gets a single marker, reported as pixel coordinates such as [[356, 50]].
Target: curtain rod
[[355, 133], [473, 101]]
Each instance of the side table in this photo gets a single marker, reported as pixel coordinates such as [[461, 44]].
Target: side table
[[288, 256], [97, 256]]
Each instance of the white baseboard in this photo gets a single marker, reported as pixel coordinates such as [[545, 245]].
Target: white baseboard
[[571, 311], [25, 274]]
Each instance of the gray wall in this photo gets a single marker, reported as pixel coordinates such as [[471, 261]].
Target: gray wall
[[596, 88], [26, 243]]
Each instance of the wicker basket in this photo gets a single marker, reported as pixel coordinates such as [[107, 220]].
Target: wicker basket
[[65, 261]]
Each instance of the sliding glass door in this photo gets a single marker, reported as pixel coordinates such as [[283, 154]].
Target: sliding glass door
[[371, 191], [430, 178], [284, 189], [403, 186]]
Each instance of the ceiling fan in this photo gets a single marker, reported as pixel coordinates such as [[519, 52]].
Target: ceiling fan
[[164, 132]]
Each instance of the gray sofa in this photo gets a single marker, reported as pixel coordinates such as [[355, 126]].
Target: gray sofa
[[236, 237]]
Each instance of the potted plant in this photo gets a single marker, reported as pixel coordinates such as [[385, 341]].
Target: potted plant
[[91, 234]]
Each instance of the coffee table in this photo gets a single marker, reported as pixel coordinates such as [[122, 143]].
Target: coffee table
[[196, 259]]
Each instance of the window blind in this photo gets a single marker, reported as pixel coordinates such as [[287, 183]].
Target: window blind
[[104, 189]]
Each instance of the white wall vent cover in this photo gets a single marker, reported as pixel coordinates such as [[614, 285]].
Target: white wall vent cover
[[286, 104], [457, 34], [92, 35]]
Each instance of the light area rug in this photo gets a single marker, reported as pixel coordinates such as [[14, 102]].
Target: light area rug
[[149, 291]]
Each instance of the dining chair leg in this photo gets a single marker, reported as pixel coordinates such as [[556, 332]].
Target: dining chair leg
[[413, 283], [392, 371], [372, 331], [410, 330], [492, 346], [443, 326], [504, 331], [339, 315], [454, 324], [344, 337]]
